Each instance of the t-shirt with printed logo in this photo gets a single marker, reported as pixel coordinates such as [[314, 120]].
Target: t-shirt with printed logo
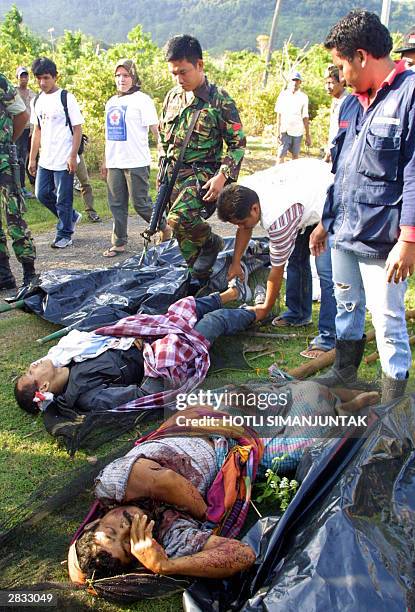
[[127, 119]]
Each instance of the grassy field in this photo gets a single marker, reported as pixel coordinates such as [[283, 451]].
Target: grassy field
[[29, 456]]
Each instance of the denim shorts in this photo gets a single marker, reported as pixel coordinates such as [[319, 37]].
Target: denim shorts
[[289, 143]]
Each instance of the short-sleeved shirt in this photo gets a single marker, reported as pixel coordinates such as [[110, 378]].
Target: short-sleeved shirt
[[192, 458], [127, 119], [283, 234], [56, 137], [293, 108]]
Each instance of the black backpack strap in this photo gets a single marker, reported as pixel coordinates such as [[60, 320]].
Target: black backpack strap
[[64, 100], [34, 107]]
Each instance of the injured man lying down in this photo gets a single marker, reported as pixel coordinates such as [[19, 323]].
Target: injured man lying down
[[175, 503], [140, 362]]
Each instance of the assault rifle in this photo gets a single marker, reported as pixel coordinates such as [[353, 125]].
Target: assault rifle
[[166, 184], [15, 173]]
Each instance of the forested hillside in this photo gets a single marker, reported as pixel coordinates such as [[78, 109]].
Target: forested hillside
[[220, 24]]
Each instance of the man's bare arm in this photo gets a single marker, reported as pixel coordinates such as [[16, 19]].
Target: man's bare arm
[[76, 141], [274, 283], [34, 150], [243, 236], [149, 479], [306, 122], [220, 557], [19, 123]]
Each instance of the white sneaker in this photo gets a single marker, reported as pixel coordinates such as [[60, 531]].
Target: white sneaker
[[62, 243], [245, 293], [259, 295]]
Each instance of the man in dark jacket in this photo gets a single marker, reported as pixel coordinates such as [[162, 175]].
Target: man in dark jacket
[[111, 372], [369, 212]]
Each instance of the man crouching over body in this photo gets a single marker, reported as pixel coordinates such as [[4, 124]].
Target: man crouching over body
[[285, 199]]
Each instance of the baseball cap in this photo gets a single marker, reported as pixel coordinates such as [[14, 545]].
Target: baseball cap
[[408, 42], [21, 70], [295, 76]]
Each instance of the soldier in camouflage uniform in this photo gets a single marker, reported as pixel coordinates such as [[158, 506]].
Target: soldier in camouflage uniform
[[13, 117], [205, 165]]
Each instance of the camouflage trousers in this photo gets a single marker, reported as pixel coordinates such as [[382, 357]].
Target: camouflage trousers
[[189, 228], [17, 229]]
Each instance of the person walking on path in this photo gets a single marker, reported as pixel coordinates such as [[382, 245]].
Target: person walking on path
[[57, 134]]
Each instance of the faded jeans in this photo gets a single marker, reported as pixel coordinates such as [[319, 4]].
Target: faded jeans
[[299, 291], [360, 281]]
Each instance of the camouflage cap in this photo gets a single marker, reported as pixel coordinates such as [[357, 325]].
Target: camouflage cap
[[408, 42], [131, 68]]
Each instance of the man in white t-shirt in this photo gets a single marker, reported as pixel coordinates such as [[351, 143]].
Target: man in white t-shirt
[[292, 119], [58, 135], [334, 85], [285, 199]]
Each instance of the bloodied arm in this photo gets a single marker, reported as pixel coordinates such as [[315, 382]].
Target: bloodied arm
[[148, 479], [219, 558]]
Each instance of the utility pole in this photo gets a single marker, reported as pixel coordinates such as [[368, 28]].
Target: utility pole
[[386, 9], [52, 41], [271, 41]]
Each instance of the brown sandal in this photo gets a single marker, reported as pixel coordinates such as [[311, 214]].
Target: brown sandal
[[113, 252]]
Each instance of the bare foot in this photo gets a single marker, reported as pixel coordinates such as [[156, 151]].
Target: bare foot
[[312, 353], [361, 401]]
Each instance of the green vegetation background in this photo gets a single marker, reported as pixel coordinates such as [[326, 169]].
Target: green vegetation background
[[219, 24]]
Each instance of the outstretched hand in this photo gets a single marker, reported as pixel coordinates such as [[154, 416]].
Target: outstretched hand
[[143, 546]]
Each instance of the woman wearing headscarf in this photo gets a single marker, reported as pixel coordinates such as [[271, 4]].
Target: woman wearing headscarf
[[128, 116]]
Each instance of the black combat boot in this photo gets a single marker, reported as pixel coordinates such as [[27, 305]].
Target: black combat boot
[[7, 280], [29, 272], [343, 373], [392, 388], [207, 256]]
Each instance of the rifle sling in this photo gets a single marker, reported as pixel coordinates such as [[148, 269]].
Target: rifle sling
[[179, 162]]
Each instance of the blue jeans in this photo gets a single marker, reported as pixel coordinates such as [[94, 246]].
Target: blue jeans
[[54, 189], [212, 321], [361, 281], [299, 292], [326, 337], [215, 321], [299, 286]]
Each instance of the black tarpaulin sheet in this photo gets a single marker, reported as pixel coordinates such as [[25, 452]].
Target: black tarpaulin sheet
[[89, 299], [346, 542]]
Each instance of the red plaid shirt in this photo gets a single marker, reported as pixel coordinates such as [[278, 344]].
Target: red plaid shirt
[[180, 355]]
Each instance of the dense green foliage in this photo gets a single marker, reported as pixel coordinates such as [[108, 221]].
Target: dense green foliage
[[87, 70], [220, 24]]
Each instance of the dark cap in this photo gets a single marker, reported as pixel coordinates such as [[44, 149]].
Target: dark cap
[[408, 42]]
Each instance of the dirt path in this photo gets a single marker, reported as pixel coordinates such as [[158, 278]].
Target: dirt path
[[89, 242]]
